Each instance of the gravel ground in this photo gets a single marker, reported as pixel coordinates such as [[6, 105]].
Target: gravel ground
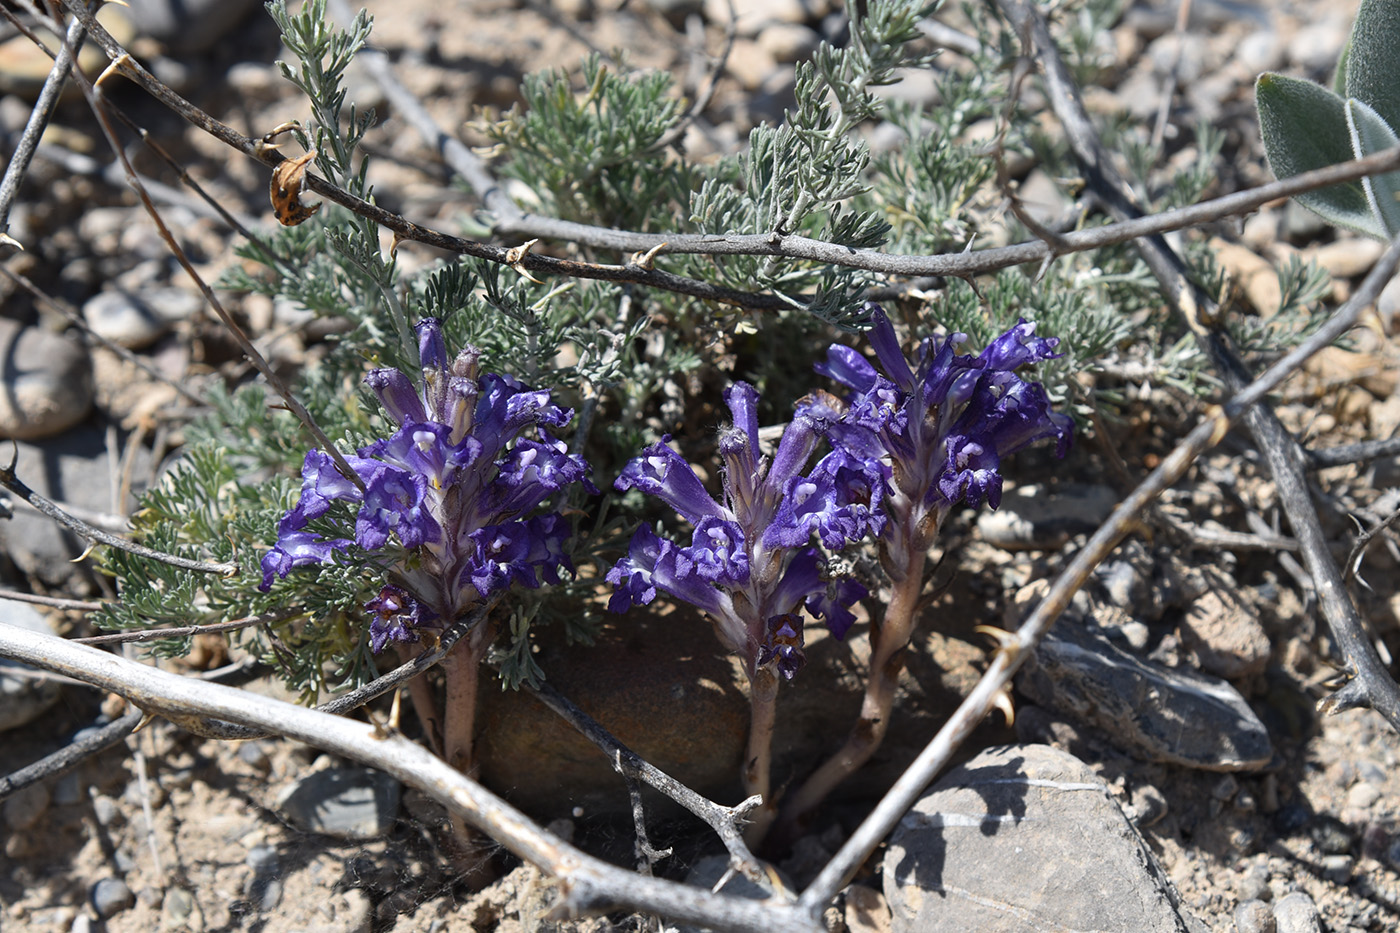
[[169, 831]]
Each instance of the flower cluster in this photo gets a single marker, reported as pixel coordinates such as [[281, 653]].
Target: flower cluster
[[944, 425], [455, 485], [749, 564]]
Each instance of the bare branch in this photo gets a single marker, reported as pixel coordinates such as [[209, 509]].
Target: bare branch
[[38, 120], [513, 222], [53, 602], [188, 631]]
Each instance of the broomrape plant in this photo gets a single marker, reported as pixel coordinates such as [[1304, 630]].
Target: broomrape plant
[[445, 510], [906, 445]]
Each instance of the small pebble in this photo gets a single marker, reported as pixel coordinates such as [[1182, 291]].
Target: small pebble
[[1363, 795], [1225, 788], [48, 382], [1337, 868], [105, 810], [254, 754], [1296, 913], [1254, 886], [1331, 835], [1254, 917], [111, 896], [177, 908], [24, 807], [262, 859], [67, 790]]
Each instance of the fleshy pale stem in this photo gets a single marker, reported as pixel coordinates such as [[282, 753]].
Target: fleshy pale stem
[[462, 670], [889, 641], [758, 757]]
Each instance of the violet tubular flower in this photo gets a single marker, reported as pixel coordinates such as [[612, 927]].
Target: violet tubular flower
[[750, 564], [942, 427], [448, 505]]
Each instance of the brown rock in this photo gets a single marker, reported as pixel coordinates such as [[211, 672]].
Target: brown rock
[[658, 681], [1224, 631], [1252, 274]]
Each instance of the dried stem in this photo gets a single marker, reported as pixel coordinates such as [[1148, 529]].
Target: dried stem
[[525, 225], [38, 120], [888, 641], [188, 631], [723, 820]]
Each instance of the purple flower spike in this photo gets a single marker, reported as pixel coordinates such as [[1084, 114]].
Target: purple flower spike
[[944, 426], [631, 577], [297, 549], [887, 349], [719, 553], [750, 560], [447, 498], [397, 394]]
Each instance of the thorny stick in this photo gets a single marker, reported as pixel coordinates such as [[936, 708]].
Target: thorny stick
[[186, 631], [1015, 647], [38, 119], [625, 761], [1370, 683]]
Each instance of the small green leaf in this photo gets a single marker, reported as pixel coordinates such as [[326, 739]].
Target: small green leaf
[[1371, 134], [1304, 127], [1374, 60]]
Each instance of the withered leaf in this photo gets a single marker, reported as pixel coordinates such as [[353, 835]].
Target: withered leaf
[[285, 191]]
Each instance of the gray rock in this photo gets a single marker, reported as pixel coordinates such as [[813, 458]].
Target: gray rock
[[1024, 838], [788, 42], [349, 803], [1296, 913], [111, 896], [707, 871], [74, 470], [1254, 917], [254, 754], [1036, 518], [189, 25], [1153, 712], [67, 790], [105, 810], [136, 320], [24, 807], [23, 696], [47, 379], [124, 319]]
